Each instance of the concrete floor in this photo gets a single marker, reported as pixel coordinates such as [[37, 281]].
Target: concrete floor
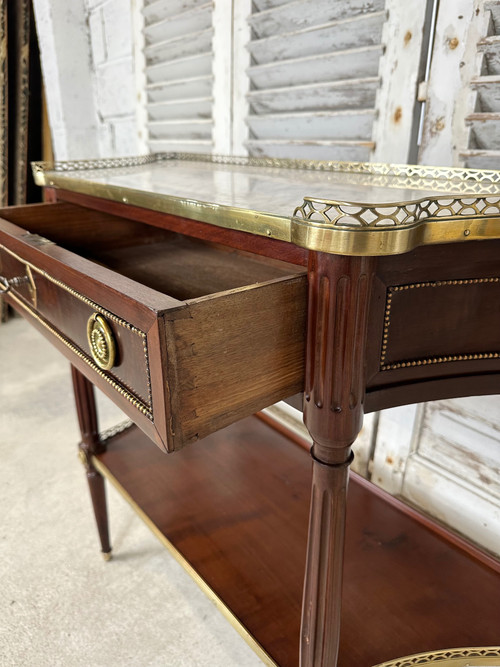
[[60, 603]]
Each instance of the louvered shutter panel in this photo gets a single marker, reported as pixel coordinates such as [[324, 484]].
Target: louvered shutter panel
[[462, 117], [483, 150], [178, 38], [314, 78]]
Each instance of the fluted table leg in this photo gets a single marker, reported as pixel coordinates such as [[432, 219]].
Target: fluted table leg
[[89, 446], [339, 292]]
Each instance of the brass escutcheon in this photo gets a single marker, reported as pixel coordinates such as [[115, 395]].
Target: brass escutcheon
[[101, 342]]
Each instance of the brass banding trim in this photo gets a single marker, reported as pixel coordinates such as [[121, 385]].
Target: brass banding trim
[[95, 306], [377, 241], [209, 592], [324, 225], [438, 359]]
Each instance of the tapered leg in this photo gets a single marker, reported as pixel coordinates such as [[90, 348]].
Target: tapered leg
[[321, 609], [339, 291], [89, 446]]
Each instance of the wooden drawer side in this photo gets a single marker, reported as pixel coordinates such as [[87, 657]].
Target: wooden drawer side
[[234, 355]]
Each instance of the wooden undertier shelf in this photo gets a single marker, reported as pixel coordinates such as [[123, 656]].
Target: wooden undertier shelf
[[236, 508]]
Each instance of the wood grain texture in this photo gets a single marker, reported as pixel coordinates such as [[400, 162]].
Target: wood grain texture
[[321, 605], [338, 305], [339, 295], [443, 305], [236, 508], [234, 355], [258, 245], [91, 445], [204, 334]]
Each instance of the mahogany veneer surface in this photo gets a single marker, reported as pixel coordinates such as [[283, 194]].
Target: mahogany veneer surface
[[236, 507]]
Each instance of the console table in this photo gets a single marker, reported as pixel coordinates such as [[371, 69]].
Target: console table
[[195, 291]]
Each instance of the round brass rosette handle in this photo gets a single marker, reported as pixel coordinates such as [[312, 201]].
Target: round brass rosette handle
[[101, 342]]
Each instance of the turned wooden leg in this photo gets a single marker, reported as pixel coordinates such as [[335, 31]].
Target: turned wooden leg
[[90, 445], [339, 291], [323, 580]]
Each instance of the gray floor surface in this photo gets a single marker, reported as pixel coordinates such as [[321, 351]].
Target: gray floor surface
[[60, 603]]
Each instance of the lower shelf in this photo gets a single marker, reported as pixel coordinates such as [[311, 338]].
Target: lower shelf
[[235, 508]]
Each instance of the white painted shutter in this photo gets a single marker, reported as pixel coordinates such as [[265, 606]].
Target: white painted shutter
[[483, 151], [314, 78], [462, 119], [178, 39], [444, 457], [334, 80]]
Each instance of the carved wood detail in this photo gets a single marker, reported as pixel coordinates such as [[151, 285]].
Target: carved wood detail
[[320, 630], [91, 445], [339, 294], [339, 291]]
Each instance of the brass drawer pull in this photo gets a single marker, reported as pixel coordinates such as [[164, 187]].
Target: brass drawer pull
[[101, 342]]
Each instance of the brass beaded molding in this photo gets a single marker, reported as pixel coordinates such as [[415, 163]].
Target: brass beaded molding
[[81, 355], [143, 406], [460, 657], [441, 359]]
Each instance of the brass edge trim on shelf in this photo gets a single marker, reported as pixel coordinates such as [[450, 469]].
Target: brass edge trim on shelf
[[393, 240], [323, 225], [139, 405], [228, 217], [209, 592], [453, 657], [439, 359], [99, 309]]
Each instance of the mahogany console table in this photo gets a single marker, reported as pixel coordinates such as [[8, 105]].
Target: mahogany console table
[[195, 291]]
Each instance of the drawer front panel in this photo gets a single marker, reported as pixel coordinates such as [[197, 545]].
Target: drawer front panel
[[65, 312]]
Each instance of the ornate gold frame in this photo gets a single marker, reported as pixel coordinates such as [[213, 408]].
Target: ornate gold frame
[[468, 210]]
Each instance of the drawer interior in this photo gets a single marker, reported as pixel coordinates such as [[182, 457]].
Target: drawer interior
[[182, 267]]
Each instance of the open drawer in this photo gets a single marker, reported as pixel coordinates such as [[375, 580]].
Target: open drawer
[[185, 336]]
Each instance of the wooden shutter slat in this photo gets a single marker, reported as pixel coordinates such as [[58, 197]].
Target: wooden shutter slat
[[176, 90], [198, 107], [178, 47], [488, 90], [481, 159], [191, 21], [182, 68], [490, 49], [347, 94], [350, 151], [181, 129], [349, 64], [364, 30], [160, 9], [351, 125], [298, 15], [485, 129]]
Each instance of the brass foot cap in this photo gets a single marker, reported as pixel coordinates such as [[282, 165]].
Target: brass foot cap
[[107, 555]]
